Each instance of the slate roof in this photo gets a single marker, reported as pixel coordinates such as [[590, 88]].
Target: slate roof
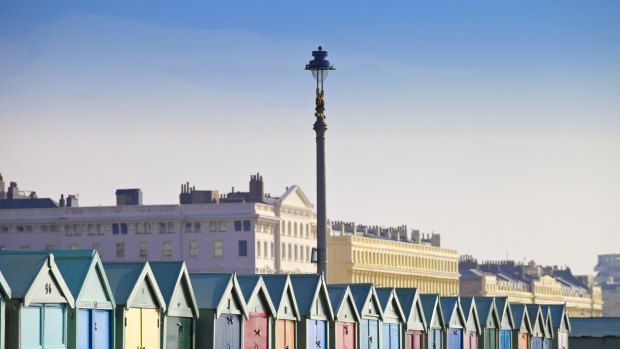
[[558, 311], [361, 293], [533, 311], [276, 284], [385, 294], [251, 283], [519, 315], [11, 204], [448, 304], [305, 287], [337, 297], [406, 296], [209, 289], [429, 302], [595, 327], [5, 290], [75, 266], [484, 306], [20, 269], [168, 276]]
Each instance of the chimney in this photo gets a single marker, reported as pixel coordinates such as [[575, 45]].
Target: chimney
[[256, 188]]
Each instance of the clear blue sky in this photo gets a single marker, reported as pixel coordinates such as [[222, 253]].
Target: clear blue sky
[[494, 123]]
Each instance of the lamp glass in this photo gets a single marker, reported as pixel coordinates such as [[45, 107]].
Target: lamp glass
[[319, 74]]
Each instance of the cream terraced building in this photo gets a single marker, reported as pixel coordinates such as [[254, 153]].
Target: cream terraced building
[[392, 258], [246, 232], [531, 284]]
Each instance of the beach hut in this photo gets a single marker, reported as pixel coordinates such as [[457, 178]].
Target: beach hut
[[222, 310], [36, 312], [91, 322], [287, 314], [315, 310], [261, 312], [560, 323], [454, 321], [489, 323], [522, 328], [506, 322], [346, 317], [433, 316], [371, 314], [178, 325], [415, 324], [472, 325], [139, 305], [5, 295], [537, 324], [394, 319], [548, 335], [594, 332]]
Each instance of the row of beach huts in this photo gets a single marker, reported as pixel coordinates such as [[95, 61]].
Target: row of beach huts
[[70, 299]]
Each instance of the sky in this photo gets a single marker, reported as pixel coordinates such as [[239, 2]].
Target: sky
[[493, 123]]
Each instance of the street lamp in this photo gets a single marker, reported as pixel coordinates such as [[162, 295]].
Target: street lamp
[[319, 67]]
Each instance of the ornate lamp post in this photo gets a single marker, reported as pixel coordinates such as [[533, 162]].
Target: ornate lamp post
[[319, 67]]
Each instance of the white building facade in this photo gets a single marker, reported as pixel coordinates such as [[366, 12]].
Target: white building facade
[[271, 235]]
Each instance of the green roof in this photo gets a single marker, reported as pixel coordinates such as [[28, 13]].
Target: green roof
[[278, 287], [169, 276], [21, 269], [75, 266], [209, 288], [430, 302], [305, 288]]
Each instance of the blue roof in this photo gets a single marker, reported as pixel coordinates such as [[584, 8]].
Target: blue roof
[[305, 287], [406, 296], [123, 278], [519, 313], [74, 266], [276, 284], [484, 306], [448, 304], [336, 295], [557, 312], [466, 304], [247, 284], [532, 312], [11, 204], [167, 275], [595, 327], [429, 302], [5, 290], [360, 293], [21, 269], [209, 288], [384, 293]]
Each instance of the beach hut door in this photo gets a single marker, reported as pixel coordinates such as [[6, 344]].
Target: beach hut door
[[94, 329]]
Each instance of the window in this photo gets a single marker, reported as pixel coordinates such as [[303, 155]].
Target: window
[[271, 250], [196, 227], [170, 227], [258, 254], [162, 227], [265, 248], [290, 254], [188, 227], [4, 229], [167, 249], [193, 249], [115, 228], [120, 250], [243, 248], [124, 228], [222, 226], [144, 249], [283, 251], [218, 248], [296, 253], [20, 228], [237, 225], [246, 225], [91, 229], [147, 228], [73, 246]]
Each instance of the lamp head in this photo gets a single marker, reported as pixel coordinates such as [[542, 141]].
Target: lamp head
[[319, 66]]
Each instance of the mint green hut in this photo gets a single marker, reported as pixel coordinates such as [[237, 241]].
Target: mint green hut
[[178, 324], [91, 322], [5, 295], [36, 313]]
